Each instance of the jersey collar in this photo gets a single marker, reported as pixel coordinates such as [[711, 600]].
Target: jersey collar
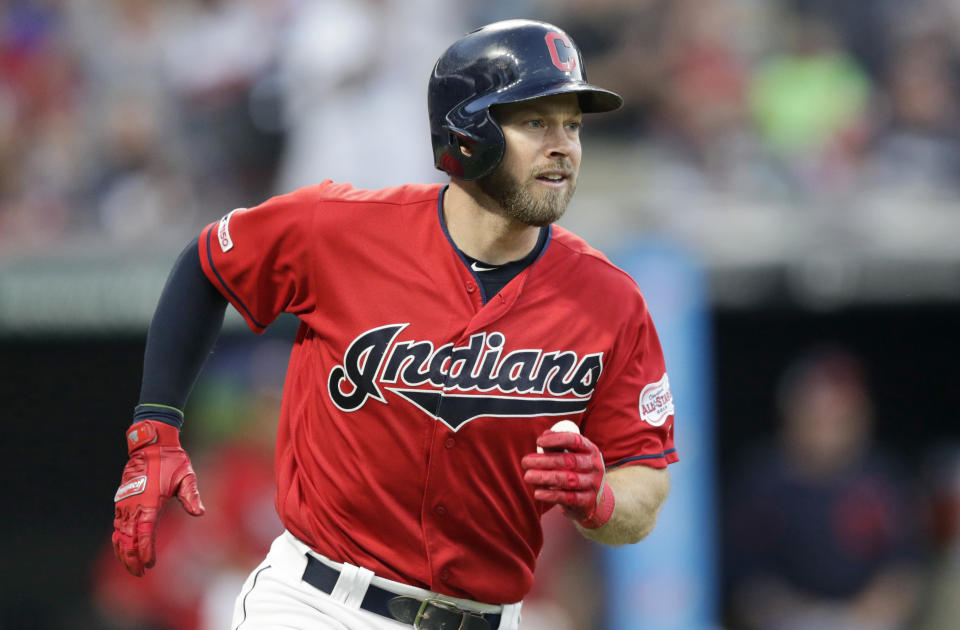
[[543, 242]]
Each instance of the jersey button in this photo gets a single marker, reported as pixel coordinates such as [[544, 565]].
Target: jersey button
[[444, 575], [440, 510], [450, 443], [471, 287]]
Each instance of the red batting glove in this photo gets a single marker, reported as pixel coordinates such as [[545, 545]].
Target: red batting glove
[[571, 476], [158, 469]]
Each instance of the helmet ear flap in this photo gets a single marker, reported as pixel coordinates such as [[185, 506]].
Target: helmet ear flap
[[470, 156], [490, 148], [456, 151]]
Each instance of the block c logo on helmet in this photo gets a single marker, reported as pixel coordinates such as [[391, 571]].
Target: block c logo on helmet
[[569, 51]]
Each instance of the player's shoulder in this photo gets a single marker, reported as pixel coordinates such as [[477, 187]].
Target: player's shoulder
[[591, 264], [333, 205], [336, 206], [331, 193]]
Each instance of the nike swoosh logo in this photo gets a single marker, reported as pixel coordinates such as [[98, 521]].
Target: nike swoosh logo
[[477, 267]]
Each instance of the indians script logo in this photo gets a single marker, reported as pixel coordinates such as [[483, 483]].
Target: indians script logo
[[475, 380]]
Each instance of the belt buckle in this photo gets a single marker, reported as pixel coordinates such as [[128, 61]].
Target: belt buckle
[[423, 614]]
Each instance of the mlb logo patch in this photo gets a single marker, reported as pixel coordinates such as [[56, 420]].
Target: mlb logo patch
[[223, 232]]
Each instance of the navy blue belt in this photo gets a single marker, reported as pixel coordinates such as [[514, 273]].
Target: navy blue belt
[[427, 615]]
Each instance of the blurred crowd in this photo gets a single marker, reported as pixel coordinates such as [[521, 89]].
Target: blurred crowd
[[132, 119], [129, 120]]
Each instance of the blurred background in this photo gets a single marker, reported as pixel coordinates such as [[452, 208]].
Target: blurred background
[[783, 182]]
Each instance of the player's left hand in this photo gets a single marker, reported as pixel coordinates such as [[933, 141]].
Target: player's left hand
[[570, 473]]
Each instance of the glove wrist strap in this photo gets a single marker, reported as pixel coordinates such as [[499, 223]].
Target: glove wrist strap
[[604, 510], [147, 432]]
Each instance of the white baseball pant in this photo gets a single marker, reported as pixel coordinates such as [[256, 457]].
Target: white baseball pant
[[276, 597]]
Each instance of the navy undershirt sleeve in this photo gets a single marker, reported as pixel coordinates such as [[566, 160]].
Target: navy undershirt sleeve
[[184, 328]]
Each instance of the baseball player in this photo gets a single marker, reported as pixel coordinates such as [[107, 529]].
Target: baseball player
[[444, 330]]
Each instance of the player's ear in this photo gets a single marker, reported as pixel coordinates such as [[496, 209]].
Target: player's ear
[[465, 145]]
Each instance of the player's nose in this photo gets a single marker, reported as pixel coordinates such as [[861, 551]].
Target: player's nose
[[559, 142]]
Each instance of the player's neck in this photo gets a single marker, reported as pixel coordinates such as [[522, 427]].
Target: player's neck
[[481, 232]]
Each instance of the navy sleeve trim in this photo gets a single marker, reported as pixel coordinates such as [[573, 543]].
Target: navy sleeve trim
[[226, 287], [642, 457], [162, 413]]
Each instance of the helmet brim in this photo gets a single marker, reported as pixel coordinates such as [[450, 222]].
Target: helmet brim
[[593, 99]]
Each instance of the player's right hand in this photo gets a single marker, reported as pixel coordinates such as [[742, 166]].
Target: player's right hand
[[570, 473], [158, 469]]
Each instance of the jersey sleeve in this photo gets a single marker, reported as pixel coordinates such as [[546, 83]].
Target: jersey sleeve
[[260, 258], [631, 415]]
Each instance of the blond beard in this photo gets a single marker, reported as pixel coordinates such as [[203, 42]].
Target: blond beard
[[518, 203]]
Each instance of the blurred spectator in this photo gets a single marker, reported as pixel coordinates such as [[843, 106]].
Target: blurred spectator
[[705, 94], [810, 102], [40, 166], [353, 82], [864, 26], [220, 58], [133, 189], [138, 193], [701, 128], [822, 535], [916, 149], [941, 601]]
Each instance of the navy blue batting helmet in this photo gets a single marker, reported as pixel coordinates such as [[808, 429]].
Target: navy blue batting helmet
[[504, 62]]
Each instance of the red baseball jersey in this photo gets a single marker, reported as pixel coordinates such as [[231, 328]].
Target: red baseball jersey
[[409, 403]]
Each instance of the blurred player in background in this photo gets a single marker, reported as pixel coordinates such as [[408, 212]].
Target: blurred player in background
[[445, 329], [822, 534]]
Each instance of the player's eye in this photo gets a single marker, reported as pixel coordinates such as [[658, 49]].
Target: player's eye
[[535, 123], [574, 125]]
